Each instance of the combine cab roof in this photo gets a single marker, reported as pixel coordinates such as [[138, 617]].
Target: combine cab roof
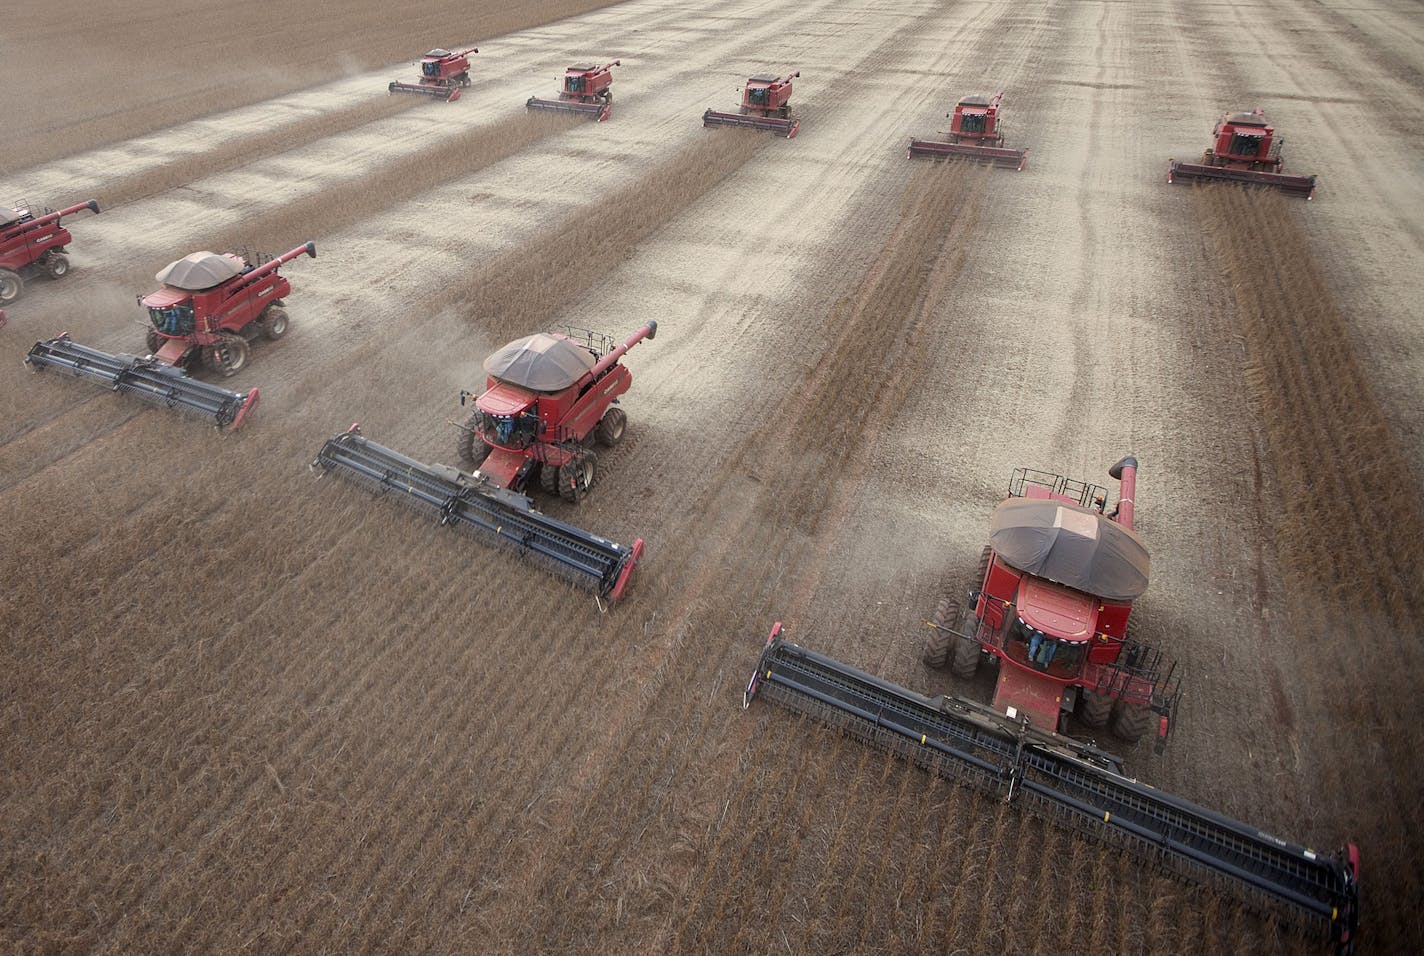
[[541, 362], [1072, 545], [200, 270]]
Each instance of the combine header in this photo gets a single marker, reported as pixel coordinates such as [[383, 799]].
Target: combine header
[[473, 501], [547, 400], [975, 133], [764, 106], [209, 308], [586, 90], [442, 75], [148, 378], [1244, 150], [30, 245], [1069, 781]]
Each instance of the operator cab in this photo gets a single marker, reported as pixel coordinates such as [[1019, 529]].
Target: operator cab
[[170, 311], [509, 417], [1052, 629]]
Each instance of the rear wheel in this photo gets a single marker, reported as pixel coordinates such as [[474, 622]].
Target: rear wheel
[[577, 477], [1094, 708], [275, 322], [1130, 721], [11, 285], [937, 644], [229, 355], [56, 265], [610, 428]]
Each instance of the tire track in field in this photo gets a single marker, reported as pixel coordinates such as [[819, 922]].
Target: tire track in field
[[1351, 530]]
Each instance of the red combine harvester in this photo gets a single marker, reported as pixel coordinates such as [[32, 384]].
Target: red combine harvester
[[586, 90], [1053, 595], [1245, 149], [32, 244], [548, 398], [1052, 605], [764, 106], [442, 75], [209, 308], [975, 133]]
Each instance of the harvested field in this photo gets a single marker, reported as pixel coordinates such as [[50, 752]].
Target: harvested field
[[249, 709]]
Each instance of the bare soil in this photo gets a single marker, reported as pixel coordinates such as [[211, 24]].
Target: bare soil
[[245, 707]]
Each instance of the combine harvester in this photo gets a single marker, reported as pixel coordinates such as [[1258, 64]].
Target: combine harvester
[[586, 91], [1012, 750], [208, 310], [975, 133], [1244, 150], [765, 106], [1050, 607], [442, 75], [548, 399], [31, 245]]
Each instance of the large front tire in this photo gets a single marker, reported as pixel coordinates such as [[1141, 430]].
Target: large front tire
[[549, 479], [1094, 709], [1130, 721], [469, 446], [965, 662], [228, 356], [577, 477], [937, 644]]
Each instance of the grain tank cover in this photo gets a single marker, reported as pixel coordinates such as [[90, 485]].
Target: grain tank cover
[[198, 271], [8, 215], [541, 362], [1072, 545]]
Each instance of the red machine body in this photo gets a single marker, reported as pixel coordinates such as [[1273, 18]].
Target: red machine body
[[585, 90], [211, 306], [32, 244], [1061, 648], [520, 427], [442, 75], [765, 105], [1245, 149], [975, 133]]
